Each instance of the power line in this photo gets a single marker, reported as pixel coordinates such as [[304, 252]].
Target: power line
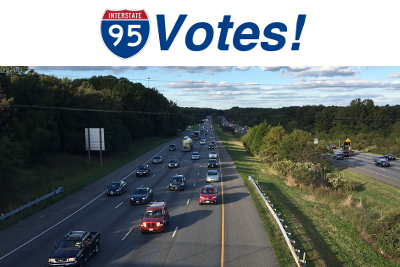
[[188, 113]]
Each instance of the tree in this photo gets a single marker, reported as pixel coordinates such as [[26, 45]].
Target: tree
[[297, 146]]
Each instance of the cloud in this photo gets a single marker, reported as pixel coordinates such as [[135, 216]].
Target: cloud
[[242, 68], [394, 75], [306, 71], [211, 70], [112, 69], [202, 85]]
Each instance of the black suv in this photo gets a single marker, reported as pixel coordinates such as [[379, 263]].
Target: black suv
[[212, 163], [178, 182]]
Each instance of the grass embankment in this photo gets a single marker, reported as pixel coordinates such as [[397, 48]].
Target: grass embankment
[[68, 171], [326, 224]]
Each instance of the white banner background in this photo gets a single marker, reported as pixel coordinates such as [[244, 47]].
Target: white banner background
[[67, 33]]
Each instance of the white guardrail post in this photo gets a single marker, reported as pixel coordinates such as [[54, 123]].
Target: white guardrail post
[[55, 192], [284, 228]]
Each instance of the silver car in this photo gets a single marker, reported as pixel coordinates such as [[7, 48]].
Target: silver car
[[212, 155], [195, 155], [212, 176]]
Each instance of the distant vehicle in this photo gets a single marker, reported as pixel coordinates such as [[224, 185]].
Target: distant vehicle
[[210, 146], [187, 145], [212, 176], [212, 155], [178, 182], [157, 160], [211, 137], [203, 142], [338, 156], [212, 163], [116, 188], [332, 146], [208, 194], [390, 156], [155, 218], [173, 163], [143, 170], [379, 158], [195, 155], [347, 147], [382, 163], [213, 142], [196, 135], [75, 249], [172, 147], [141, 195], [345, 153]]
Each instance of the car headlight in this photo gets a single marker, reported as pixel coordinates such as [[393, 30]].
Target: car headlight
[[131, 198], [143, 198], [202, 197], [158, 224], [52, 260], [71, 259], [144, 224]]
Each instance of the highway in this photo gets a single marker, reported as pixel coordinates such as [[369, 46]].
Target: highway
[[228, 234], [362, 163]]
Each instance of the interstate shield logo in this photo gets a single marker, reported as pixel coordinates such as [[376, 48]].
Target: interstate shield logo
[[125, 32]]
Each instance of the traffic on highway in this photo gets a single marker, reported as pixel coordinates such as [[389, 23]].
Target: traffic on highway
[[165, 224]]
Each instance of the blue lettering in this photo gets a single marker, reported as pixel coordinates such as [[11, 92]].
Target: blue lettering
[[209, 36], [274, 36], [225, 25], [165, 43], [239, 35]]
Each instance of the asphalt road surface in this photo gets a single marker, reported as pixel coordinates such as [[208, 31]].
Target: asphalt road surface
[[362, 163], [227, 234]]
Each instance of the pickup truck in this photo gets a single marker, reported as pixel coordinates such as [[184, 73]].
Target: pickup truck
[[75, 249]]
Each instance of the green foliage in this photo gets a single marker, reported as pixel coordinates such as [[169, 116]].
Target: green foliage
[[284, 167], [338, 181], [297, 146], [303, 175], [272, 143]]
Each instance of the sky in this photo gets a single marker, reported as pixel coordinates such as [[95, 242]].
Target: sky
[[221, 87]]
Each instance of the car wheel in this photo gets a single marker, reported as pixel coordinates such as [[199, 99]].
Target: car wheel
[[81, 263], [142, 232], [168, 221], [119, 193], [215, 202], [96, 248], [163, 229], [200, 203]]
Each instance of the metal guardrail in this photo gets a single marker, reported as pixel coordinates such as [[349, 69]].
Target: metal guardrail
[[11, 213], [284, 228]]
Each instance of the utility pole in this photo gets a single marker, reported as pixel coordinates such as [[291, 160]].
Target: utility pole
[[148, 96]]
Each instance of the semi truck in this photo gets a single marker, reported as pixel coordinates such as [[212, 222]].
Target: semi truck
[[347, 147], [187, 144]]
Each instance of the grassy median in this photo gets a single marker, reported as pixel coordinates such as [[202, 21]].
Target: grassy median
[[327, 225]]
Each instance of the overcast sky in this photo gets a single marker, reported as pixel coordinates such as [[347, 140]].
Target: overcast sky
[[225, 87]]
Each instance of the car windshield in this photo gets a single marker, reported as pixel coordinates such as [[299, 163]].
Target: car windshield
[[114, 185], [212, 173], [142, 168], [70, 244], [195, 154], [173, 161], [213, 160], [153, 213], [140, 191], [177, 179], [207, 191], [157, 158], [171, 145]]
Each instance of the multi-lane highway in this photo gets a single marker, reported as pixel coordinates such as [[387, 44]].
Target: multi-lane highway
[[362, 163], [227, 234]]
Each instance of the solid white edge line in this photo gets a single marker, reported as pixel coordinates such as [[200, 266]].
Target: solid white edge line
[[127, 234], [176, 229], [198, 173], [141, 185], [187, 203], [119, 205], [52, 226]]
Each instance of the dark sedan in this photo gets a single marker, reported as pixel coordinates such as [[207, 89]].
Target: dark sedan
[[382, 163], [212, 163], [116, 188], [173, 163], [157, 160], [141, 196], [143, 170], [338, 156], [210, 146], [172, 147], [345, 153], [390, 156]]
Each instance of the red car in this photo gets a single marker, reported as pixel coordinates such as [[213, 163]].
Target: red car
[[155, 218], [332, 146], [208, 194]]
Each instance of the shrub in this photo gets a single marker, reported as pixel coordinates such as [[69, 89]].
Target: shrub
[[303, 175], [337, 181], [284, 167]]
